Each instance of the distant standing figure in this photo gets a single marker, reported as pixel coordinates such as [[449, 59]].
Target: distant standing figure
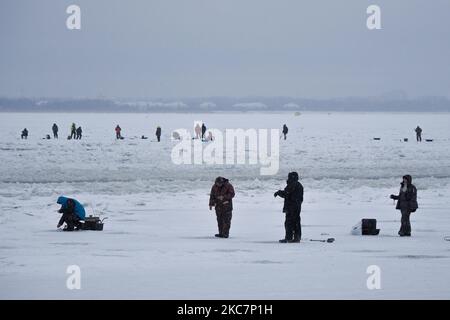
[[221, 198], [407, 203], [55, 131], [285, 131], [24, 134], [79, 132], [118, 132], [203, 131], [158, 133], [73, 131], [418, 134], [198, 131]]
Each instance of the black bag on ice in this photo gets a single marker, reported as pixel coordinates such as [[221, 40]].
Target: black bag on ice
[[92, 223]]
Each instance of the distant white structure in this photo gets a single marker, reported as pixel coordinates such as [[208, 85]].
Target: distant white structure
[[250, 105], [291, 105], [208, 105], [148, 105]]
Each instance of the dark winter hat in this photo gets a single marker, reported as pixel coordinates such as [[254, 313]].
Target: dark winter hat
[[408, 178], [220, 180], [293, 176]]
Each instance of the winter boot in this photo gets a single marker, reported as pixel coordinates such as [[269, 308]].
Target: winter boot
[[218, 235]]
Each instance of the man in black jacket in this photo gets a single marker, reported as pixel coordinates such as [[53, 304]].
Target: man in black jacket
[[158, 133], [293, 198], [79, 133], [55, 131], [407, 203], [285, 131]]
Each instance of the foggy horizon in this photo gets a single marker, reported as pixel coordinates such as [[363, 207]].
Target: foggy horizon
[[178, 49]]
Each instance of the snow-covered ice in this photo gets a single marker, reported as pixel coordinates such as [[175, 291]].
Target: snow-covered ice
[[158, 240]]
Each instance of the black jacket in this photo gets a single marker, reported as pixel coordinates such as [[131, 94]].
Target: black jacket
[[293, 197], [407, 200]]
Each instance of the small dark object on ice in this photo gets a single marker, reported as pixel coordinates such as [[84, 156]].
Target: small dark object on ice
[[377, 139], [329, 240], [144, 137], [93, 223], [429, 140]]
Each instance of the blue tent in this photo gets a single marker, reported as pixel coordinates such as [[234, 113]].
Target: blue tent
[[79, 209]]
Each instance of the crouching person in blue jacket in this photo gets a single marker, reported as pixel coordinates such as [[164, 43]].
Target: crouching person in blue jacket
[[72, 213]]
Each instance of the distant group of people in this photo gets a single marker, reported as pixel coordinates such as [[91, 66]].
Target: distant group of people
[[75, 133], [200, 133]]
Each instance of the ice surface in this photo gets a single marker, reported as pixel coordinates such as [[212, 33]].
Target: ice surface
[[158, 240]]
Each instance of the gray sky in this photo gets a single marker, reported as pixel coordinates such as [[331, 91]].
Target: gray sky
[[186, 48]]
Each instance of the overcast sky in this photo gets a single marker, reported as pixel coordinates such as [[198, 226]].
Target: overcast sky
[[190, 48]]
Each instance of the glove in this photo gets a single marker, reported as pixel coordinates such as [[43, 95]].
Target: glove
[[392, 196], [276, 193]]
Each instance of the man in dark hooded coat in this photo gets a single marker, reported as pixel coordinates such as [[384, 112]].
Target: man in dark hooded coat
[[407, 203], [203, 131], [158, 133], [79, 133], [293, 198], [285, 131], [221, 198], [55, 131]]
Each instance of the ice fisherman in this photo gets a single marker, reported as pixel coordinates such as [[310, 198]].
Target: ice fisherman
[[24, 134], [406, 203], [118, 132], [158, 133], [293, 198], [210, 136], [72, 213], [203, 131], [55, 131], [221, 198], [198, 131], [285, 131], [418, 131], [79, 133], [73, 131]]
